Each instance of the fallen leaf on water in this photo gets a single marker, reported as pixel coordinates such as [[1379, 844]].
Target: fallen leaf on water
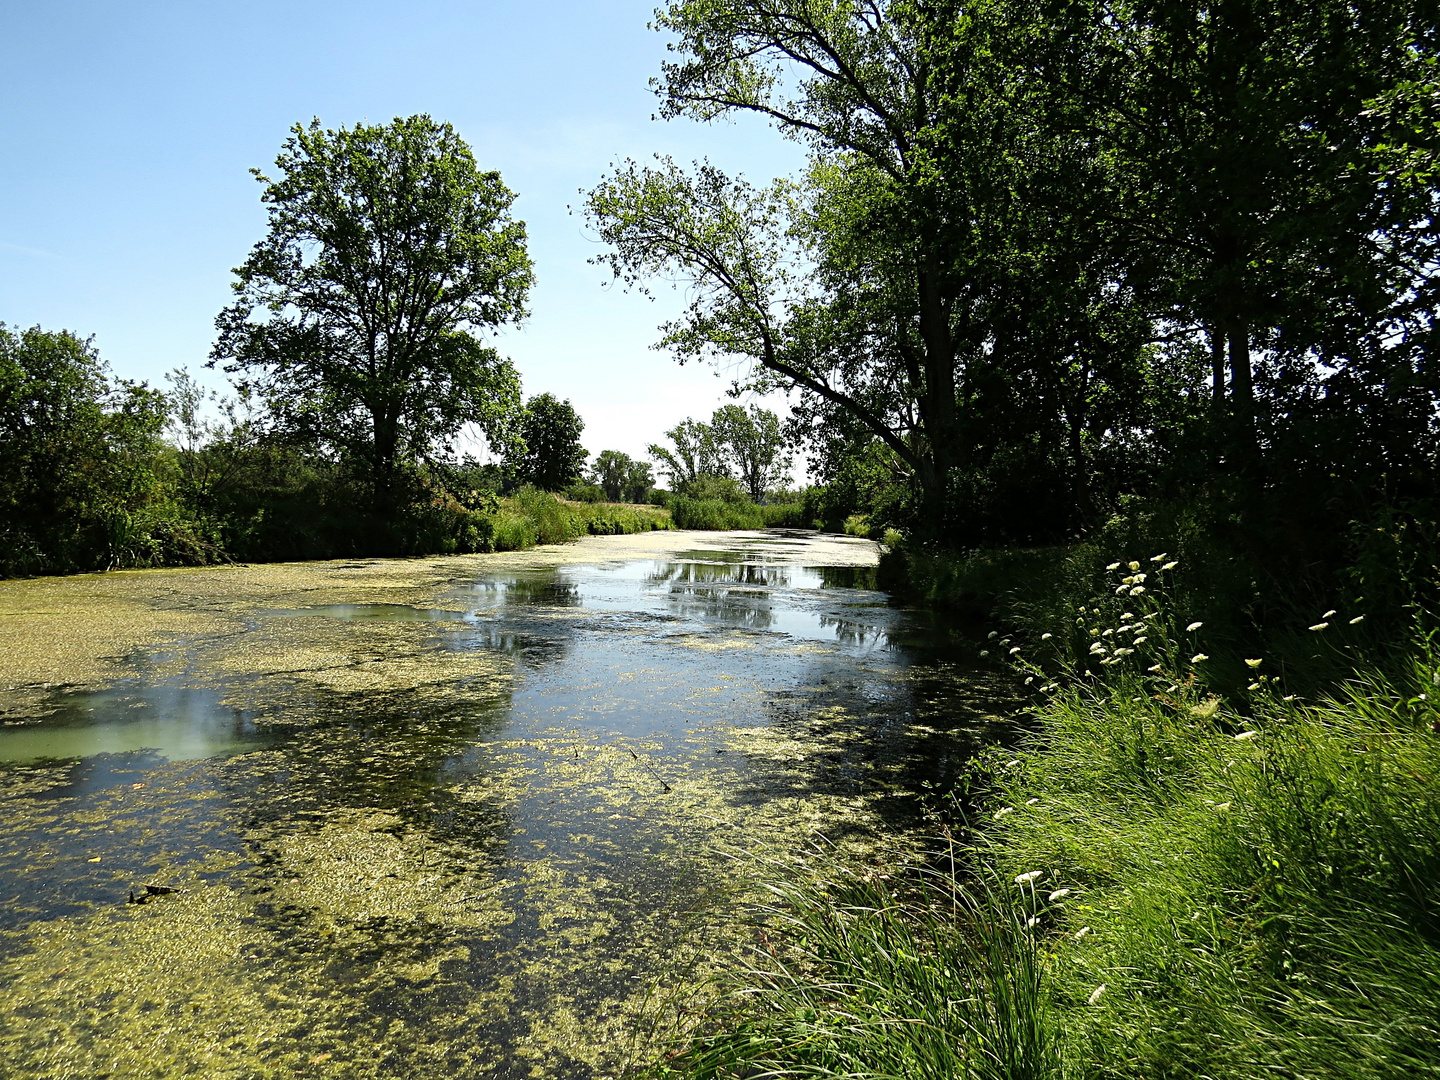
[[95, 859]]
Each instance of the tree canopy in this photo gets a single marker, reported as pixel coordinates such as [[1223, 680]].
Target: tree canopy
[[548, 453], [359, 317], [1041, 253]]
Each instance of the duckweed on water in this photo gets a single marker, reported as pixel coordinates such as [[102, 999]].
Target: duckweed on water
[[495, 845]]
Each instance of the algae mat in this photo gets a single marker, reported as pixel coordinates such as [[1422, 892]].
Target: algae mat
[[474, 816]]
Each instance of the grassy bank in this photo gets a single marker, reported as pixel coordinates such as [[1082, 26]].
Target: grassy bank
[[1176, 874], [721, 514], [532, 517]]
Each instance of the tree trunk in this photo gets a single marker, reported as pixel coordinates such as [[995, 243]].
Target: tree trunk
[[1242, 393]]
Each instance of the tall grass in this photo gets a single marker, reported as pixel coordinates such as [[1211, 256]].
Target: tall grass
[[877, 977], [719, 514]]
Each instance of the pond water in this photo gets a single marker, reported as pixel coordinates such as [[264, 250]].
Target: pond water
[[502, 831]]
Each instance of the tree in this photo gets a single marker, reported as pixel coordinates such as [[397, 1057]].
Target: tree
[[752, 443], [638, 482], [85, 483], [552, 458], [610, 471], [694, 454], [941, 254], [359, 316]]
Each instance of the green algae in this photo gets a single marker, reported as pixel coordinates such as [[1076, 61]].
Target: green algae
[[470, 847]]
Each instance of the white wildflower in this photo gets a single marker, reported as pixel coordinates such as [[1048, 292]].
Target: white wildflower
[[1253, 686], [1328, 614], [1097, 995], [1320, 626], [1194, 626], [1358, 618], [1199, 656], [1003, 811], [1124, 652], [1140, 640], [1113, 566], [1081, 932], [1159, 558], [1254, 663], [1154, 669], [1170, 566], [1027, 878], [1031, 802], [1138, 590], [1059, 894], [992, 635], [1133, 566], [1046, 637], [984, 652], [1014, 650], [1246, 735]]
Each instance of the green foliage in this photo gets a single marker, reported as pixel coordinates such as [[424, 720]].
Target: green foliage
[[621, 477], [1251, 874], [357, 318], [549, 454], [85, 481], [911, 977], [721, 514], [752, 445], [1049, 257]]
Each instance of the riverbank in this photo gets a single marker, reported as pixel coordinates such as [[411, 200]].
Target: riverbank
[[1173, 875]]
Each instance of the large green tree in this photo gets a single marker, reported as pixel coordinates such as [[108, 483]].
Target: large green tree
[[548, 453], [752, 442], [85, 483], [360, 316]]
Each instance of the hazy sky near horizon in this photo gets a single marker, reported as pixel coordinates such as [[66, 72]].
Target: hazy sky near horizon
[[129, 129]]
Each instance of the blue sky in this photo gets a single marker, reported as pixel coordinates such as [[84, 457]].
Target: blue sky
[[128, 130]]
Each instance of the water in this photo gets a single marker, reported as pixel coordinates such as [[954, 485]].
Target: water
[[495, 832]]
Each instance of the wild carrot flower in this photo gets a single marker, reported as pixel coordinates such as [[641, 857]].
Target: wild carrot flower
[[1003, 811], [1328, 614], [1158, 558], [1170, 566], [1320, 626], [1254, 663], [1113, 566], [1199, 656], [1046, 637], [1133, 566], [1097, 995], [1206, 709], [1358, 618], [1246, 735], [1027, 878], [1194, 626], [1058, 894]]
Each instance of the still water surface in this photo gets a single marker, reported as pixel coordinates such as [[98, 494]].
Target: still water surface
[[500, 836]]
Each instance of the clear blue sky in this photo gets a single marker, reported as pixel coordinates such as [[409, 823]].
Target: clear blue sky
[[127, 129]]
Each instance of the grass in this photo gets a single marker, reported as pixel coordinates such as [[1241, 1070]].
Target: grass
[[531, 517], [718, 514], [1224, 882]]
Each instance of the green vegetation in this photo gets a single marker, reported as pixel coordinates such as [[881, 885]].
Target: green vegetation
[[548, 453], [357, 319]]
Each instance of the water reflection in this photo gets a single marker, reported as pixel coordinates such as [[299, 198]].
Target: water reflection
[[170, 722]]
